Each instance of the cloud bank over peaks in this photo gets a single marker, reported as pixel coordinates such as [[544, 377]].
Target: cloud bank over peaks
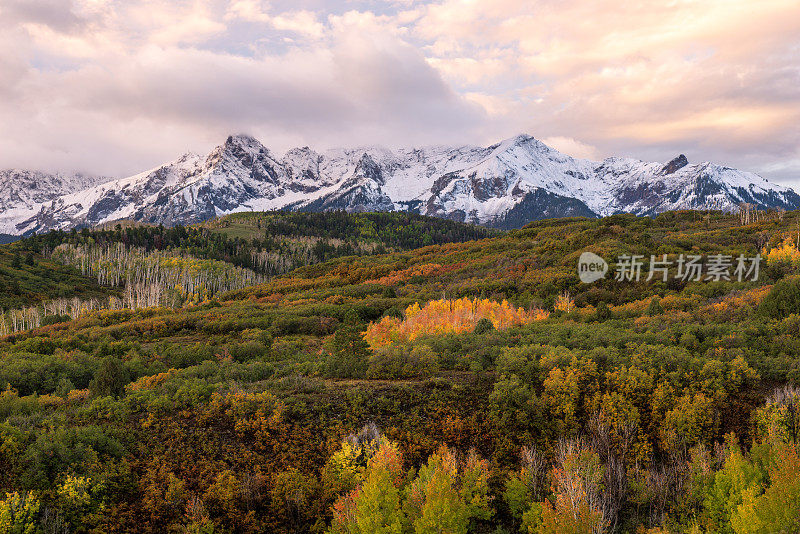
[[111, 87]]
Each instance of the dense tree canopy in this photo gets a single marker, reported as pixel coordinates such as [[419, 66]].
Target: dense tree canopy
[[622, 406]]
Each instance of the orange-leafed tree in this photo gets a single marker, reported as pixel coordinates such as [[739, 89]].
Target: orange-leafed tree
[[448, 316]]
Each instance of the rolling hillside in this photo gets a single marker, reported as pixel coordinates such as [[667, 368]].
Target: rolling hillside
[[505, 381]]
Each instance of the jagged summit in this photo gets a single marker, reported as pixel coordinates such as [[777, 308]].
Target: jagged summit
[[504, 185], [242, 139], [676, 163]]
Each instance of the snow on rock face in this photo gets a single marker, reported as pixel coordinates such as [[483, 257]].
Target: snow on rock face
[[675, 164], [504, 185], [24, 189]]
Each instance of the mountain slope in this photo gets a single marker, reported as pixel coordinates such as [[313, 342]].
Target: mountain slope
[[25, 189], [504, 185]]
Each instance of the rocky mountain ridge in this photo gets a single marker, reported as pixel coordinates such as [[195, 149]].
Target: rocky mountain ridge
[[504, 185]]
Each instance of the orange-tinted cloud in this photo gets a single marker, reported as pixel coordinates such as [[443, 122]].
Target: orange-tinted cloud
[[116, 86]]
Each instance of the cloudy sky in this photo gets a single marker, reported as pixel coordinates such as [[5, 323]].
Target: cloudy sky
[[115, 87]]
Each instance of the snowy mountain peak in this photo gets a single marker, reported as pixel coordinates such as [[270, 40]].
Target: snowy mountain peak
[[505, 185], [368, 169], [243, 140], [188, 156], [676, 163], [241, 147], [523, 141]]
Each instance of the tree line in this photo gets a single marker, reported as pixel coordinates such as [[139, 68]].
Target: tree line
[[274, 243]]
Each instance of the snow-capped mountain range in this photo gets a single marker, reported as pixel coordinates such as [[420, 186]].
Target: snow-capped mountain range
[[505, 185]]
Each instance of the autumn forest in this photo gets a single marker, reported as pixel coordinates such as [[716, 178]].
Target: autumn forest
[[392, 373]]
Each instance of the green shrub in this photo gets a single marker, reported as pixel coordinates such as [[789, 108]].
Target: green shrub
[[181, 356], [782, 300], [483, 326], [603, 312], [111, 378], [55, 319], [349, 353], [402, 361], [250, 350], [655, 307]]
